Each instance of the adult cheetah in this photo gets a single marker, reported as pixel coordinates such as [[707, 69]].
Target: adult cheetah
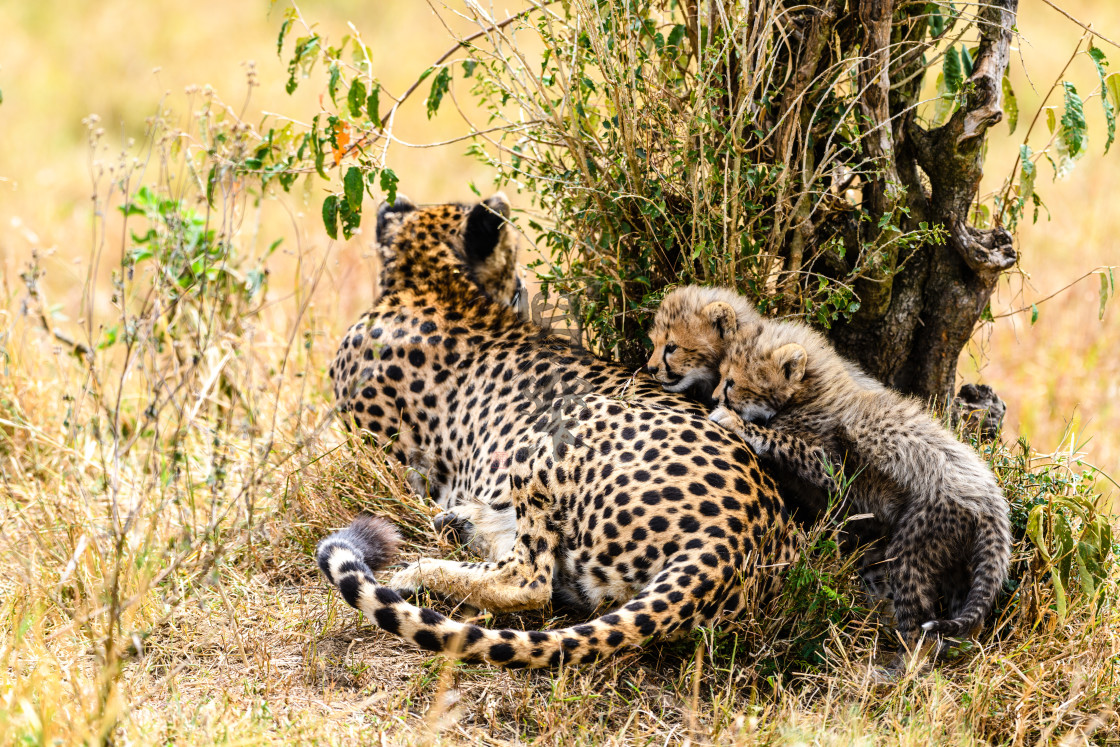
[[616, 499]]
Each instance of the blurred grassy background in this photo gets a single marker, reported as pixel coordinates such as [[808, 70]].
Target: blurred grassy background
[[61, 61]]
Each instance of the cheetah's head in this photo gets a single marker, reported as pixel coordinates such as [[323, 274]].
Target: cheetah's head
[[690, 333], [424, 242], [759, 376]]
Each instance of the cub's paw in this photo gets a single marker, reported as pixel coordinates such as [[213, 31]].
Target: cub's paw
[[725, 418], [754, 437], [749, 432]]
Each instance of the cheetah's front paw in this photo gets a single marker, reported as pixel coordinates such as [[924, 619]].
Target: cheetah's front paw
[[407, 581]]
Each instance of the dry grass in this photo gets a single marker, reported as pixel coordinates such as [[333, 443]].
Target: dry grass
[[158, 509]]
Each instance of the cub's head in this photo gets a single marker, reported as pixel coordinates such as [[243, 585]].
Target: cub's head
[[758, 376], [690, 332], [423, 244]]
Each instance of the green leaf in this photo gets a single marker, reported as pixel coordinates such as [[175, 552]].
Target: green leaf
[[373, 105], [935, 19], [332, 84], [1073, 132], [468, 67], [440, 86], [1105, 293], [285, 27], [351, 218], [254, 281], [305, 47], [352, 188], [1035, 522], [1010, 106], [951, 69], [357, 97], [317, 148], [1, 97], [943, 107], [1026, 172], [1109, 108], [389, 184], [111, 335], [330, 215], [1063, 533], [1034, 314], [1037, 205], [1051, 119], [141, 253], [966, 62], [1112, 83], [211, 185]]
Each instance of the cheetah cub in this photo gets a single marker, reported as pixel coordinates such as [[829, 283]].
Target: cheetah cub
[[692, 328], [691, 332], [950, 539]]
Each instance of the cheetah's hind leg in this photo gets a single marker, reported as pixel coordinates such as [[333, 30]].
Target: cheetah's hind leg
[[520, 580], [486, 531]]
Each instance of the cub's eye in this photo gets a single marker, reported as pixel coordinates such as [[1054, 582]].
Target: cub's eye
[[670, 347], [730, 383]]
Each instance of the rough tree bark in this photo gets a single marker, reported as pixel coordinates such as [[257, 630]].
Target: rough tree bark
[[917, 314]]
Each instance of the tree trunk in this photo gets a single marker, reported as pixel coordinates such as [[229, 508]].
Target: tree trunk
[[921, 316]]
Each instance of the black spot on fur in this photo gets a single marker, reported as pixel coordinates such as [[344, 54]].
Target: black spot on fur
[[350, 586], [386, 619], [501, 652], [427, 640], [431, 617]]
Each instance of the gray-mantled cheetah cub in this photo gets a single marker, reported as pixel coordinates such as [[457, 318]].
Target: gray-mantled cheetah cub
[[947, 516]]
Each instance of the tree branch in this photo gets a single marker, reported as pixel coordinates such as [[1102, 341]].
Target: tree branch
[[884, 191], [951, 154]]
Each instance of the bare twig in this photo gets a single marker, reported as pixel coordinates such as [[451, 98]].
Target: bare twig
[[1087, 27]]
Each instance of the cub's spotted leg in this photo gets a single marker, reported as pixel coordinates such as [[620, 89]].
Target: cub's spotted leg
[[921, 555], [869, 494], [521, 580], [790, 452]]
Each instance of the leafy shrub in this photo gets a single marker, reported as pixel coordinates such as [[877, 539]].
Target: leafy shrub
[[666, 142]]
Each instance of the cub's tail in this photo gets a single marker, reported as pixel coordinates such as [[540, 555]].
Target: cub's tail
[[349, 557], [991, 558]]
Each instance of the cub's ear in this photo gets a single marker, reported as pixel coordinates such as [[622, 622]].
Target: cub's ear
[[791, 360], [750, 332], [484, 227], [722, 317]]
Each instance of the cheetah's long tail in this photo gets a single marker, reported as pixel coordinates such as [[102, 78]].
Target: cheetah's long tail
[[348, 558], [991, 558]]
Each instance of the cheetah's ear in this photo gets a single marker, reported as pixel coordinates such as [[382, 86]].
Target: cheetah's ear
[[722, 317], [484, 227], [389, 216], [791, 360]]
